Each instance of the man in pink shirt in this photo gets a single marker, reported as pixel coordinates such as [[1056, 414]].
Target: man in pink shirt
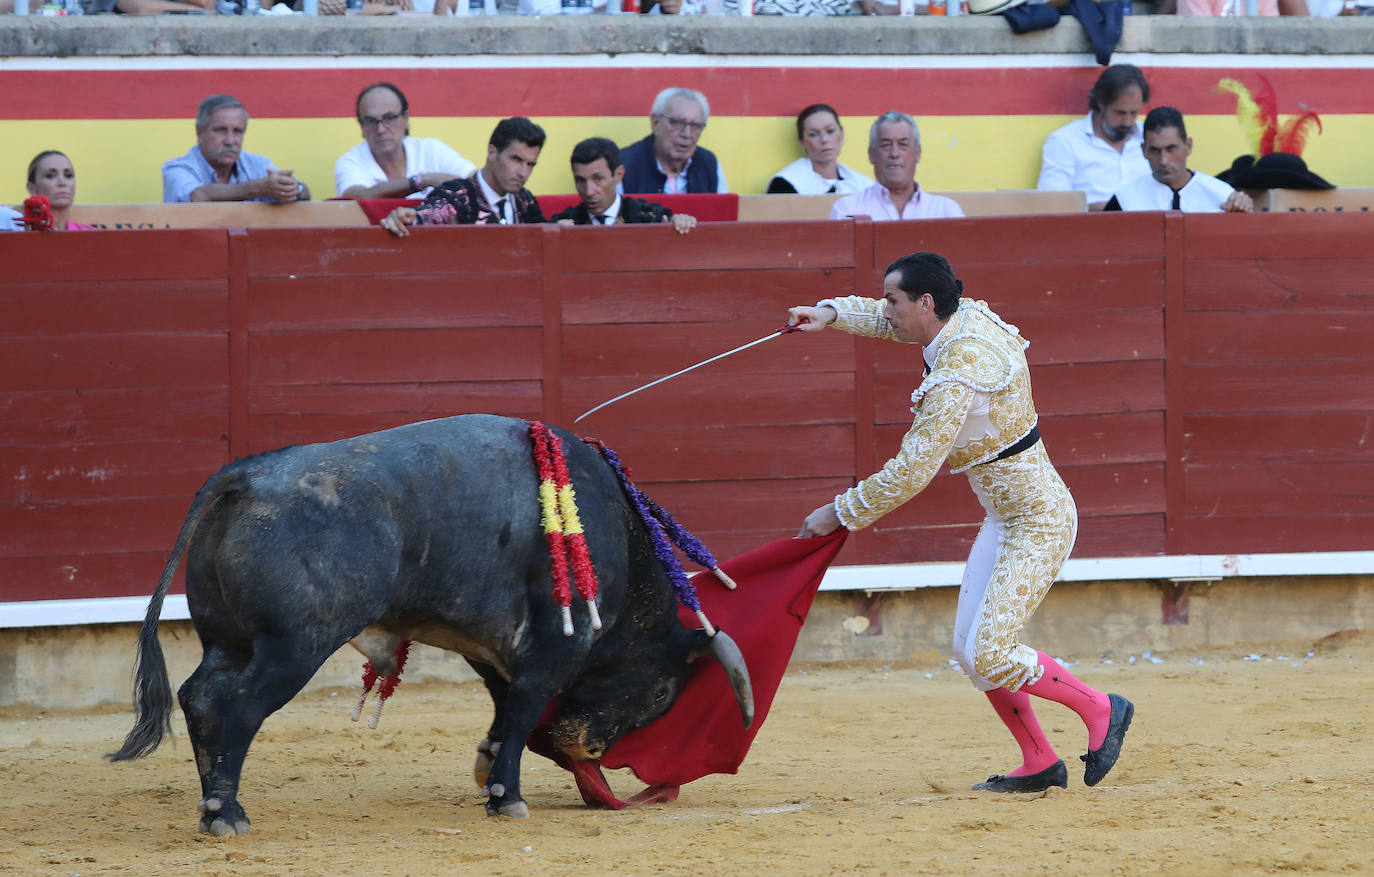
[[894, 147]]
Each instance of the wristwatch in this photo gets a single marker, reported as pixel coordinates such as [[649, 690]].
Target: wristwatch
[[300, 190], [415, 183]]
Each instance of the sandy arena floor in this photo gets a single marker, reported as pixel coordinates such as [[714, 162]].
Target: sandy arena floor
[[1236, 764]]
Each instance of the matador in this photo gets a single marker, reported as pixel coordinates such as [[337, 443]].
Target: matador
[[974, 409]]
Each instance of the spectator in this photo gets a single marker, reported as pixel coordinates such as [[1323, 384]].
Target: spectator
[[389, 163], [894, 147], [52, 176], [597, 172], [1229, 8], [818, 171], [669, 160], [217, 168], [495, 195], [1098, 153], [1170, 185]]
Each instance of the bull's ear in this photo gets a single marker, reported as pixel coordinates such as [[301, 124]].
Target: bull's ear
[[698, 645]]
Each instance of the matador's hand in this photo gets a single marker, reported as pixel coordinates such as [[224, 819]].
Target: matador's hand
[[822, 522], [811, 319]]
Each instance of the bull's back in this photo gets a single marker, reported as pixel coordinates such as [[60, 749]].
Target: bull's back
[[438, 519]]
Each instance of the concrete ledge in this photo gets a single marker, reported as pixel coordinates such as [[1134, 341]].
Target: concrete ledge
[[129, 36], [83, 666]]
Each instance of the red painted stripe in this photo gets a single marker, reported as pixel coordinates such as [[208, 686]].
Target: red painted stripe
[[600, 91]]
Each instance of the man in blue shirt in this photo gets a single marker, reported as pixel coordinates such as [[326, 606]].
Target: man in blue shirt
[[217, 168]]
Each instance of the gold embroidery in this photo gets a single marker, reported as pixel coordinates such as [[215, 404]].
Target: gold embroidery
[[1028, 496]]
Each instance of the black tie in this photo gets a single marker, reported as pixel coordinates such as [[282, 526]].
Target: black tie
[[501, 209], [600, 218], [1175, 205]]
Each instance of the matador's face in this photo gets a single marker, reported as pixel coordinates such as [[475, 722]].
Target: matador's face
[[906, 316]]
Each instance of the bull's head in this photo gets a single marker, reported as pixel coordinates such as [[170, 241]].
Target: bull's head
[[598, 711]]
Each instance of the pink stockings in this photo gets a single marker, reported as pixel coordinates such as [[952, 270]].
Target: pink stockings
[[1058, 685]]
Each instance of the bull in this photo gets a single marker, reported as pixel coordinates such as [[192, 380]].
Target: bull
[[428, 532]]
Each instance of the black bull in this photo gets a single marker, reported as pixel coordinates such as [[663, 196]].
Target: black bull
[[430, 532]]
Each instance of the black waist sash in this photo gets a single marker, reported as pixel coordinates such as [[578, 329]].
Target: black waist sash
[[1030, 439]]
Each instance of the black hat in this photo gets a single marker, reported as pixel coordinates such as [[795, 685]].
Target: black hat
[[1277, 170], [1238, 167]]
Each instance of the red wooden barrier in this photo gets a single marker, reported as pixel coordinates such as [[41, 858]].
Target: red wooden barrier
[[1202, 381]]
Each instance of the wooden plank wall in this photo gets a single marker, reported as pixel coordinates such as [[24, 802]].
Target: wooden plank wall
[[1203, 382], [114, 403], [1277, 384]]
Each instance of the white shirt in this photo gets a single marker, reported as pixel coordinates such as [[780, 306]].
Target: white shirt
[[507, 214], [1075, 158], [803, 177], [424, 155], [1201, 194], [611, 215], [876, 201], [978, 424], [11, 220]]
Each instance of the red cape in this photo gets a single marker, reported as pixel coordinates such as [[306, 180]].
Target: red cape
[[703, 733]]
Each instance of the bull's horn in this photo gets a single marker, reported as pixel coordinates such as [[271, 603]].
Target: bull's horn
[[724, 650]]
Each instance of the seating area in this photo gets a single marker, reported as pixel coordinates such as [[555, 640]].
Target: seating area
[[707, 208]]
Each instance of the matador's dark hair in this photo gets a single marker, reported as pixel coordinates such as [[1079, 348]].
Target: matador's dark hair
[[922, 273]]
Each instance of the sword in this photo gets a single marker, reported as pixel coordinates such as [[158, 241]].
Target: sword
[[785, 330]]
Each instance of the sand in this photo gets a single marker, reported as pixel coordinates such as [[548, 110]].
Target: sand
[[1237, 763]]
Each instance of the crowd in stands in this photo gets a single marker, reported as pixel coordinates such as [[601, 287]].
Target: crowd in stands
[[1115, 159], [1320, 8]]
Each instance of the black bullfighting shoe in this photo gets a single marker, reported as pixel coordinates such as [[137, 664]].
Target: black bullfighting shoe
[[1054, 775], [1098, 763]]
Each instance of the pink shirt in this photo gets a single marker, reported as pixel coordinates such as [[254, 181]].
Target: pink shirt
[[876, 201], [1224, 7]]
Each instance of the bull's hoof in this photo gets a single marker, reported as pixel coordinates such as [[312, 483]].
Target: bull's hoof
[[510, 810], [221, 820]]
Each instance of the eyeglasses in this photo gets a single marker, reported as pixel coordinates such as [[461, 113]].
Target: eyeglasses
[[389, 120], [676, 124]]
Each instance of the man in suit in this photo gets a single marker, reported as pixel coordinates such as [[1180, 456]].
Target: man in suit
[[597, 172], [669, 159], [495, 195]]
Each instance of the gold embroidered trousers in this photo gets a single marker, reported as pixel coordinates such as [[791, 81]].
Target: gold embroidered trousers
[[1027, 535]]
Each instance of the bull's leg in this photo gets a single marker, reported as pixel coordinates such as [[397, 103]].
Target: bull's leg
[[487, 750], [225, 702], [523, 704]]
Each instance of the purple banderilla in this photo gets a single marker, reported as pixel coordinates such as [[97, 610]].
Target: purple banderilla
[[666, 532]]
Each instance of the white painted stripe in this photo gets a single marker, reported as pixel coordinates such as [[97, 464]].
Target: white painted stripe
[[657, 61], [909, 576], [97, 610], [885, 577]]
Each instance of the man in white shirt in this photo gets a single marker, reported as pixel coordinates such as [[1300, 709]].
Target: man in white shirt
[[1170, 185], [894, 147], [1098, 153], [389, 163]]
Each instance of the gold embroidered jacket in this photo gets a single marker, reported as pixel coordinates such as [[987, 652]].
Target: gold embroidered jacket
[[977, 353]]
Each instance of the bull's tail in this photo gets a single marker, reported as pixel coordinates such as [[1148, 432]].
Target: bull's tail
[[152, 691]]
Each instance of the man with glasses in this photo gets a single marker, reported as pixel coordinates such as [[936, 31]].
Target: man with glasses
[[217, 168], [669, 159], [389, 163]]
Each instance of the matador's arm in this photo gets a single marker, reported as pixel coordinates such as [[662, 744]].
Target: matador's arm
[[859, 315], [925, 446]]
